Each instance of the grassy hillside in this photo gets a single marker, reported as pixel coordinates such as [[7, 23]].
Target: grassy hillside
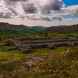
[[58, 62]]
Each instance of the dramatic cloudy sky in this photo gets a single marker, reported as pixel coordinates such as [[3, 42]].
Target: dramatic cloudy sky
[[22, 7]]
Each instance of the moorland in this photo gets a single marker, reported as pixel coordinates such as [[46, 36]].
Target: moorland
[[38, 52]]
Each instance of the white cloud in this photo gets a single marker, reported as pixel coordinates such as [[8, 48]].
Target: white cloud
[[19, 6]]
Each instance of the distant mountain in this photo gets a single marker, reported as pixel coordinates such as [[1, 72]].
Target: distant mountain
[[6, 26], [71, 28]]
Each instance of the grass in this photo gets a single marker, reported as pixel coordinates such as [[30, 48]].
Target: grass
[[10, 56], [13, 55], [63, 34], [40, 52], [56, 65], [35, 34], [61, 62], [46, 51]]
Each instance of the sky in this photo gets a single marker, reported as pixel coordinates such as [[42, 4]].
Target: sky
[[70, 2]]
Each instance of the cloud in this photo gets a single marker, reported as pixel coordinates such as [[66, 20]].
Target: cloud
[[72, 9], [47, 5], [21, 7]]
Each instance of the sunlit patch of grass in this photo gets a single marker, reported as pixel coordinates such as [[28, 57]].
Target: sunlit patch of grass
[[46, 51], [60, 50], [41, 52], [11, 56]]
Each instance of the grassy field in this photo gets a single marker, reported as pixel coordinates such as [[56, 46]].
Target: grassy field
[[35, 33], [61, 62]]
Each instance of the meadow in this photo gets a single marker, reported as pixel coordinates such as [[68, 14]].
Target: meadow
[[58, 62]]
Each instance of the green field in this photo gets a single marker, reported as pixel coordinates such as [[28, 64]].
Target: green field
[[59, 62], [56, 63]]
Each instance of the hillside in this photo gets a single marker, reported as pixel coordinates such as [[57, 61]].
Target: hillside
[[39, 28], [38, 52]]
